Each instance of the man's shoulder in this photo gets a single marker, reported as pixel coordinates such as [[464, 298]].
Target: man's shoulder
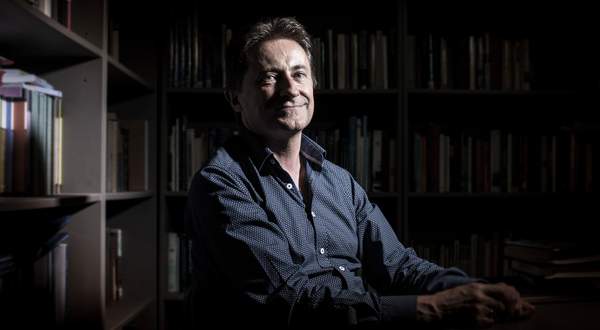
[[229, 156], [334, 170]]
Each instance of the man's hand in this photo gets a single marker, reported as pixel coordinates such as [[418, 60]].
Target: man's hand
[[473, 304]]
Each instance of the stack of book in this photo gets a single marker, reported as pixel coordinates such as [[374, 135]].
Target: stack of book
[[31, 117], [551, 260]]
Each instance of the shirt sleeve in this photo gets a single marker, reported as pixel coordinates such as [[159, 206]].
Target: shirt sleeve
[[395, 271], [226, 220]]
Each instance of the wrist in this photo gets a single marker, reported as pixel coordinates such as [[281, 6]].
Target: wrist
[[427, 309]]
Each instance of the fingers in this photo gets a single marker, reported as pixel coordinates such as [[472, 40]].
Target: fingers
[[480, 304], [506, 293], [497, 307], [515, 306], [485, 317], [509, 296], [486, 308], [525, 309]]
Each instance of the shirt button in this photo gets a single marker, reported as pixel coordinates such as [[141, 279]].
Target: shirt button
[[289, 186], [342, 268], [313, 214], [272, 161], [322, 251]]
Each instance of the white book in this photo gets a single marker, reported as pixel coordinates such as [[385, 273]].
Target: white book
[[377, 166], [173, 263], [17, 76], [59, 259], [17, 90]]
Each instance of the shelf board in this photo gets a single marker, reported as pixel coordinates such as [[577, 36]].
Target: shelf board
[[13, 204], [123, 83], [128, 195], [207, 91], [119, 313], [451, 92], [356, 91], [379, 194], [502, 195], [37, 42], [176, 194], [121, 201], [219, 91], [178, 296]]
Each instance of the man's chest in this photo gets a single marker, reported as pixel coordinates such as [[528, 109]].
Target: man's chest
[[319, 223]]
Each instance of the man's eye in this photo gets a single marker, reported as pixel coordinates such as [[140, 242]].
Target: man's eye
[[268, 79], [300, 74]]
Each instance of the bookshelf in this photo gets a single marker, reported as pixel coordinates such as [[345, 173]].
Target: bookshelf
[[15, 204], [94, 84], [498, 136], [552, 78]]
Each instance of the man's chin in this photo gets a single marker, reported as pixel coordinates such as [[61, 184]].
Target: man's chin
[[290, 127]]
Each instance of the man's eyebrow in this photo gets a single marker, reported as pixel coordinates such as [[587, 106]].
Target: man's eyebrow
[[275, 69], [299, 67]]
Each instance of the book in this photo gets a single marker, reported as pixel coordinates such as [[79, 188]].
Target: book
[[589, 269], [6, 61], [59, 285], [114, 255], [545, 251], [17, 76], [18, 90], [138, 154], [173, 255]]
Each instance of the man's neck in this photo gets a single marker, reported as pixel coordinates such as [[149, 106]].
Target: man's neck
[[287, 153]]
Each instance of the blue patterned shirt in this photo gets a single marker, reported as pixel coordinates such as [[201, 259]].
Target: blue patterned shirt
[[265, 254]]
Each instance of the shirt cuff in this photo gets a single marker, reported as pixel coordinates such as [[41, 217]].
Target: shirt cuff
[[398, 308]]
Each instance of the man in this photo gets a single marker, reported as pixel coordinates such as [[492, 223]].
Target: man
[[283, 237]]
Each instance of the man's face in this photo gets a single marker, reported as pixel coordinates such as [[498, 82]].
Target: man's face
[[276, 96]]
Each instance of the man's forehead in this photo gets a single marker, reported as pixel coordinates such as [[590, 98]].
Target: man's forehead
[[271, 53]]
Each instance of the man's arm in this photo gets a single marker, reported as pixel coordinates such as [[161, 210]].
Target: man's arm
[[439, 294], [253, 254], [390, 266]]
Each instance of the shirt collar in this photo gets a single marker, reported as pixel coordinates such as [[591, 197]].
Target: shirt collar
[[260, 153]]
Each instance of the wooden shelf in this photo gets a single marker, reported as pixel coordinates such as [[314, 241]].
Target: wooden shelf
[[176, 194], [35, 41], [124, 83], [122, 312], [378, 92], [128, 195], [121, 201], [383, 194], [220, 91], [204, 91], [504, 195], [13, 204], [463, 92], [179, 296]]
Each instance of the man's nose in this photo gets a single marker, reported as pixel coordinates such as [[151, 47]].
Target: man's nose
[[288, 87]]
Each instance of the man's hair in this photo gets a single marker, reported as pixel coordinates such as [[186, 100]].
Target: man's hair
[[243, 45]]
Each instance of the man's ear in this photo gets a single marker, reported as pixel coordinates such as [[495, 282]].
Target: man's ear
[[232, 98]]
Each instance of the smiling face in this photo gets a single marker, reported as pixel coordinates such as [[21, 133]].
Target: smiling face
[[276, 95]]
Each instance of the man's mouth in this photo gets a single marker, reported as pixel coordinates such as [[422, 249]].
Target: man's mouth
[[287, 107]]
